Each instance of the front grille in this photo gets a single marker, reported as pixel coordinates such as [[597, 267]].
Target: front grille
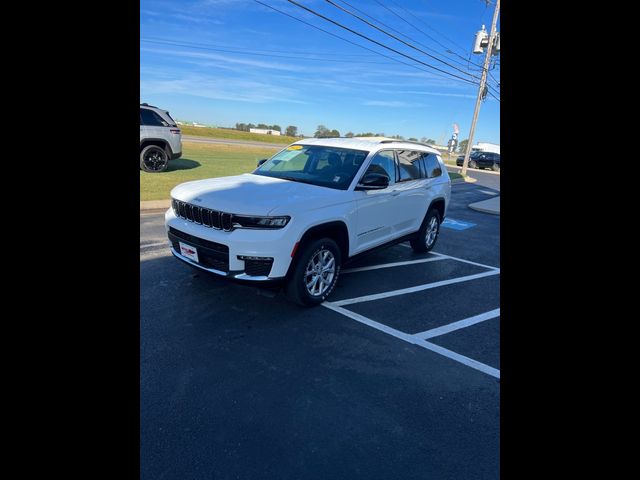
[[258, 268], [202, 216], [210, 254]]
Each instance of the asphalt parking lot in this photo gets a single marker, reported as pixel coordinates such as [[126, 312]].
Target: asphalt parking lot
[[396, 377]]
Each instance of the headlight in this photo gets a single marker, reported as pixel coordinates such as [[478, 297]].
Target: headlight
[[240, 221]]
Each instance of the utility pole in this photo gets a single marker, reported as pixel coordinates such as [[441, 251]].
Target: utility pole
[[483, 82]]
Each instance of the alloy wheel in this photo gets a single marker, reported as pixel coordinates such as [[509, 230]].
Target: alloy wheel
[[320, 272], [432, 231]]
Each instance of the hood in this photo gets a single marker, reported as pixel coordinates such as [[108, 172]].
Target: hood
[[250, 194]]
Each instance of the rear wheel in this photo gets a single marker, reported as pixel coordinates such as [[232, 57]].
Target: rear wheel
[[428, 233], [153, 159], [496, 167], [473, 164], [315, 273]]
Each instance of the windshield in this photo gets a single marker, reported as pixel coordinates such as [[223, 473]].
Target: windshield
[[315, 164]]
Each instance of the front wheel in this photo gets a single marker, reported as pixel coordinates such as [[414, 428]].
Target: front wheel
[[153, 159], [473, 164], [315, 273], [428, 233], [496, 167]]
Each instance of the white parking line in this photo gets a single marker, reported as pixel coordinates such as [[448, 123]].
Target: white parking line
[[418, 288], [467, 322], [469, 362], [372, 323], [467, 261], [147, 245], [394, 264], [414, 340], [457, 258]]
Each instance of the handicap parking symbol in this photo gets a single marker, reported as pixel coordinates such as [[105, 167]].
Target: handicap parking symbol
[[456, 224]]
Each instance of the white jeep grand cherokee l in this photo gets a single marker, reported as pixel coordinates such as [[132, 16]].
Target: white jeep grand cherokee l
[[308, 209]]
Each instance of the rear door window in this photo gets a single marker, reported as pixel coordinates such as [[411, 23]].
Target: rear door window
[[409, 165]]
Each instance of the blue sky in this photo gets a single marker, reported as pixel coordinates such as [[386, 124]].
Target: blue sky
[[225, 61]]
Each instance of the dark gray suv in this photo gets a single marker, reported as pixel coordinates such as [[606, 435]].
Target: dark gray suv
[[481, 160]]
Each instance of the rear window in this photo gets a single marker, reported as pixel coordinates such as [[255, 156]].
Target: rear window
[[173, 122], [432, 165], [152, 119]]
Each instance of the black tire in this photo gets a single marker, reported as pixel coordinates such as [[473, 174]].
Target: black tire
[[473, 164], [420, 244], [496, 167], [154, 159], [296, 287]]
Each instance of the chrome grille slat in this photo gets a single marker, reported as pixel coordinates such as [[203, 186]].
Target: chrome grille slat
[[215, 219], [206, 217], [197, 215]]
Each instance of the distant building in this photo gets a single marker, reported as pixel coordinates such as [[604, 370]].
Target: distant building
[[485, 147], [264, 131]]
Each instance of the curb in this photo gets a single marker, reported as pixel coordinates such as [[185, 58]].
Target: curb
[[155, 205], [464, 180], [491, 206]]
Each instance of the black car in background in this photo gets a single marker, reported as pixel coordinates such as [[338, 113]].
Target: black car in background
[[481, 160]]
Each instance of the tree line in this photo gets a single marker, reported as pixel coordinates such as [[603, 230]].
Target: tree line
[[323, 132], [291, 130]]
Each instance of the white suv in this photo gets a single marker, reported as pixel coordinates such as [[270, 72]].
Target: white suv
[[308, 209], [160, 139]]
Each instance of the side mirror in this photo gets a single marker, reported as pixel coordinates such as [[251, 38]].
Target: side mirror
[[260, 162], [373, 181]]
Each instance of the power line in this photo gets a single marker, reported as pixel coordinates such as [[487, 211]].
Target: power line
[[399, 39], [241, 52], [288, 52], [425, 33], [426, 25], [404, 35], [366, 48], [347, 40], [378, 43]]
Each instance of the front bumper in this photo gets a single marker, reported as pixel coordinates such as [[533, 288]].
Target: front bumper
[[219, 250], [240, 277]]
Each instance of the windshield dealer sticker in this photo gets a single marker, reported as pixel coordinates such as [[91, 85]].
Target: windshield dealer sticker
[[295, 147]]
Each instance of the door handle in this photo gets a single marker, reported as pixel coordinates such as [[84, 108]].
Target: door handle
[[395, 193]]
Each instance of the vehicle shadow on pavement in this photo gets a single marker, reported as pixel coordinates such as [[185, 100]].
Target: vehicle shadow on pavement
[[182, 164], [182, 291]]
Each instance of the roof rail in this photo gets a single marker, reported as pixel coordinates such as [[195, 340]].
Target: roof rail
[[408, 141], [147, 105]]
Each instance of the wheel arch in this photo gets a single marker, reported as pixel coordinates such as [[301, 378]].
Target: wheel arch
[[336, 230], [439, 204], [159, 142]]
